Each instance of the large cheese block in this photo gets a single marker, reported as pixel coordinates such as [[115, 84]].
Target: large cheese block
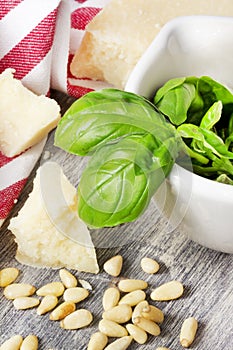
[[47, 230], [117, 37], [25, 118]]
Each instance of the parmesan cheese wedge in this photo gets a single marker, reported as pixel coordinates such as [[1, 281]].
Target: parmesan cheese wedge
[[48, 231], [118, 35], [25, 118]]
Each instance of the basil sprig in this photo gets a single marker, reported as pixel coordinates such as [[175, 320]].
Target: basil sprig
[[133, 143], [132, 149]]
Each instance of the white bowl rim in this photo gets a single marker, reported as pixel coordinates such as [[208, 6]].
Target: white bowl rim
[[201, 182]]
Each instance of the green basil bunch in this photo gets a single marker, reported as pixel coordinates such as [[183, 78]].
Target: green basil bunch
[[202, 111], [132, 148]]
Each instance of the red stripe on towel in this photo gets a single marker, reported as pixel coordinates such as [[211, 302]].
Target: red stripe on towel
[[77, 91], [82, 16], [7, 6], [8, 196], [4, 160], [32, 49]]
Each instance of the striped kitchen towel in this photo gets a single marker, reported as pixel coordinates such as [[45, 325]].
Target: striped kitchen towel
[[38, 38]]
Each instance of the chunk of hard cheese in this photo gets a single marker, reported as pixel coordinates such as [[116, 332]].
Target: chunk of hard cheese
[[48, 230], [25, 118], [117, 37]]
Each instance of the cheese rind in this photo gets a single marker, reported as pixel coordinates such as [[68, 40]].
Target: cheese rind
[[40, 236], [118, 35], [25, 118]]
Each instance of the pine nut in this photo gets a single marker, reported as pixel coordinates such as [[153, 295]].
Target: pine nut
[[69, 280], [153, 313], [75, 294], [47, 304], [148, 326], [53, 288], [30, 343], [188, 331], [62, 311], [138, 334], [149, 265], [8, 276], [98, 341], [162, 348], [113, 266], [16, 290], [12, 343], [168, 291], [111, 298], [143, 305], [129, 285], [112, 329], [77, 319], [120, 344], [120, 313], [24, 303], [133, 298], [85, 284]]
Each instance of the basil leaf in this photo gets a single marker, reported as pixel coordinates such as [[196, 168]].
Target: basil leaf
[[106, 116], [215, 144], [169, 85], [176, 102], [212, 116], [120, 179], [190, 131], [213, 91]]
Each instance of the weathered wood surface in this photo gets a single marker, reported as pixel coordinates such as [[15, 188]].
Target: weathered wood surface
[[207, 277]]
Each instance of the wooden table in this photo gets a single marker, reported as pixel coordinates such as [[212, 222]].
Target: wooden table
[[207, 276]]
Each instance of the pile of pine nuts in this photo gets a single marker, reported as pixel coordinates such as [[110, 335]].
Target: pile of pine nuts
[[22, 298], [130, 317], [127, 315]]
